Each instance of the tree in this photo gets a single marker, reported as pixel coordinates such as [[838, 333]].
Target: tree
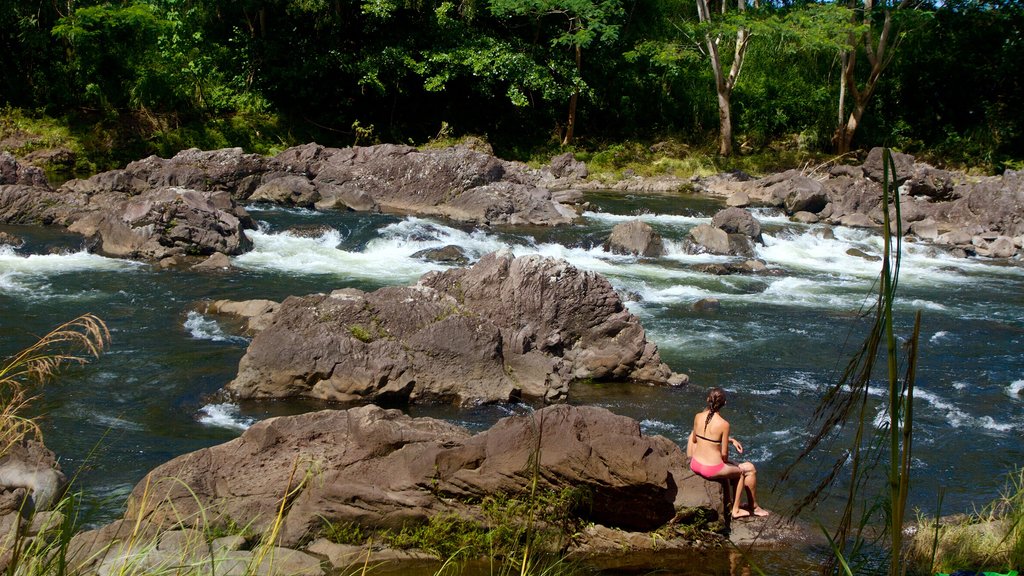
[[879, 46], [581, 24], [715, 41]]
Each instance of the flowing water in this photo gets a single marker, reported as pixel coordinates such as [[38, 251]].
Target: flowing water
[[774, 344]]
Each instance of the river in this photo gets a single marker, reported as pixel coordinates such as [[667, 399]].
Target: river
[[775, 343]]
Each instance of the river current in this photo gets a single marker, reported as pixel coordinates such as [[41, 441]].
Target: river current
[[774, 344]]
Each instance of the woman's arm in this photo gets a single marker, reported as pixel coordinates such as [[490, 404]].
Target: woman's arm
[[725, 440]]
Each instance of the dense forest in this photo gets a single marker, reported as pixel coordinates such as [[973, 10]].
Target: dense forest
[[134, 77]]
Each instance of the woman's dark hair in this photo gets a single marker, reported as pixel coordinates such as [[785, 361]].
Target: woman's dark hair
[[716, 399]]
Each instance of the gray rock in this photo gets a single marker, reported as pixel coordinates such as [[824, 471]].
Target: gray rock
[[707, 305], [873, 168], [449, 254], [858, 220], [926, 229], [738, 221], [567, 166], [163, 222], [216, 261], [287, 190], [13, 172], [803, 194], [739, 200], [710, 239], [504, 328], [804, 217], [9, 239], [635, 237]]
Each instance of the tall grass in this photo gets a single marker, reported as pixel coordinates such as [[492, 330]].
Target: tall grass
[[989, 540], [70, 343], [846, 403]]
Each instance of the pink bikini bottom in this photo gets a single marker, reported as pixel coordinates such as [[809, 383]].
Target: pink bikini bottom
[[705, 470]]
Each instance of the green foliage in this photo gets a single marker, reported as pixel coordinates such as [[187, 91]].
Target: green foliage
[[991, 540], [344, 533], [543, 522], [360, 333]]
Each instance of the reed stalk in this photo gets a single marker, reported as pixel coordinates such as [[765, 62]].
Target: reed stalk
[[846, 402]]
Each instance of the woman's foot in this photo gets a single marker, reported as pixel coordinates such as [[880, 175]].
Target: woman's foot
[[758, 511], [741, 513]]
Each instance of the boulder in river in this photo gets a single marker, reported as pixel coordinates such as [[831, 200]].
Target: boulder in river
[[635, 237], [383, 470], [504, 328]]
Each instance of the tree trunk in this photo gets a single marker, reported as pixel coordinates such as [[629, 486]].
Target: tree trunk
[[724, 124], [570, 128]]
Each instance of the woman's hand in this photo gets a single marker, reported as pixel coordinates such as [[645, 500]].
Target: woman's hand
[[736, 444]]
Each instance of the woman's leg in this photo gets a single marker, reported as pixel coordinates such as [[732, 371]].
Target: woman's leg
[[750, 485], [734, 472]]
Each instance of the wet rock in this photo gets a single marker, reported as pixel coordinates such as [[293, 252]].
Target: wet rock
[[449, 254], [714, 269], [1000, 247], [30, 473], [8, 239], [856, 253], [636, 238], [707, 305], [858, 221], [709, 238], [309, 230]]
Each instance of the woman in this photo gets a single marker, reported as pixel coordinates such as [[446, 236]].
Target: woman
[[709, 455]]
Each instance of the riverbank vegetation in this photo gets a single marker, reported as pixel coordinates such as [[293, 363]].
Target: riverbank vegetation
[[113, 82]]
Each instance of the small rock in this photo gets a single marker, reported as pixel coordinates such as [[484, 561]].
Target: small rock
[[715, 269], [861, 254], [449, 254], [857, 220], [710, 238], [216, 261], [707, 305], [739, 200], [804, 217], [635, 237], [926, 229], [10, 240], [954, 238]]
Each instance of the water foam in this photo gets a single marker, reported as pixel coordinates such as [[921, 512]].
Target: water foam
[[21, 274], [652, 427], [1015, 388], [676, 220], [203, 328], [939, 336], [224, 415], [321, 256]]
